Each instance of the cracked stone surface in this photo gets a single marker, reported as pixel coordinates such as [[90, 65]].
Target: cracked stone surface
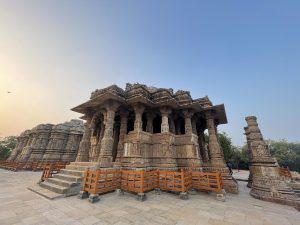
[[18, 205]]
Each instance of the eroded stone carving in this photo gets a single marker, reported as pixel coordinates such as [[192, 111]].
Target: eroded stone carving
[[47, 142], [265, 180]]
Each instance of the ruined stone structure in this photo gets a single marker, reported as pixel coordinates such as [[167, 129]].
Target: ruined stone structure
[[266, 183], [47, 142], [147, 128]]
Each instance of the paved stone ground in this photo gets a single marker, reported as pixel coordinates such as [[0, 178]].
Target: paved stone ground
[[241, 174], [21, 206]]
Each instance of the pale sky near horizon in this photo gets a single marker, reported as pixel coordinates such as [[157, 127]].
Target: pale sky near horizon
[[244, 54]]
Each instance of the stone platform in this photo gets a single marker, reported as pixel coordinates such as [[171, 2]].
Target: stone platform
[[18, 206]]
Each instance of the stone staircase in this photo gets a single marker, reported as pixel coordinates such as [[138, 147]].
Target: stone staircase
[[68, 181]]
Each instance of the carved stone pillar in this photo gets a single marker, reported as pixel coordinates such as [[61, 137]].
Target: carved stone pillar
[[123, 131], [187, 121], [172, 125], [165, 120], [194, 126], [217, 162], [85, 144], [105, 156], [98, 147], [216, 155], [150, 118], [249, 155], [138, 123]]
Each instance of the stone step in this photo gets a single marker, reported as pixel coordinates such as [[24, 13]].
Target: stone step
[[45, 192], [62, 183], [66, 177], [72, 172], [91, 164], [53, 187], [77, 168]]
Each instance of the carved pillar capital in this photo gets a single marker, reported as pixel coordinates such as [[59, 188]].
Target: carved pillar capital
[[165, 111]]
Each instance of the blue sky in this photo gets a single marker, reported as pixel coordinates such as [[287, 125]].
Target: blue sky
[[244, 54]]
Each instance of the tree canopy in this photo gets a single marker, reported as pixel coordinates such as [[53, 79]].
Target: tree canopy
[[286, 153], [7, 144]]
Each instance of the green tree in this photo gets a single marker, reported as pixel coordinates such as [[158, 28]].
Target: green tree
[[226, 145], [286, 153], [7, 144], [237, 156]]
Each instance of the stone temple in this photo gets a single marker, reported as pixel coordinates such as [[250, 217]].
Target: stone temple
[[48, 142], [148, 128]]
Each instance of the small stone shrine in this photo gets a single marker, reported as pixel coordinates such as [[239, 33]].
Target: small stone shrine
[[144, 128], [266, 182]]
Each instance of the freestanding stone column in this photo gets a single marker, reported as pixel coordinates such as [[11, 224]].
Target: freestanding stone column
[[105, 156], [249, 155], [85, 144], [165, 120], [123, 131], [267, 183]]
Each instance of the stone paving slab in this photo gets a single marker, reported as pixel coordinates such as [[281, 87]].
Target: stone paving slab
[[44, 192], [18, 205]]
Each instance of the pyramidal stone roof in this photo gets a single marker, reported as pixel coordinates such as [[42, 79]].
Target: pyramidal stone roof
[[149, 96]]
